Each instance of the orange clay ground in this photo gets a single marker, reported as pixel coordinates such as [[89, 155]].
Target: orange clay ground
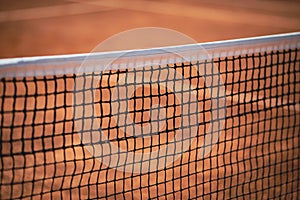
[[61, 27]]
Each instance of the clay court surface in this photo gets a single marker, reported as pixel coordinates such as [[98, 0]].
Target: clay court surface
[[254, 147], [33, 27]]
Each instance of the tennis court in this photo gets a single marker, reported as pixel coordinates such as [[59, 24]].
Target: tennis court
[[223, 117], [54, 27]]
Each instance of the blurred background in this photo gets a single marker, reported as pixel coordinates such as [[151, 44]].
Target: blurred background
[[50, 27]]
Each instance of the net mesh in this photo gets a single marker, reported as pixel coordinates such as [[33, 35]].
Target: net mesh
[[256, 155]]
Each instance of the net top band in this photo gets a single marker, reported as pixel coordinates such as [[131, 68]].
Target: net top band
[[90, 62]]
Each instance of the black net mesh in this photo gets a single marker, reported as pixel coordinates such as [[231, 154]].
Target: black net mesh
[[43, 154]]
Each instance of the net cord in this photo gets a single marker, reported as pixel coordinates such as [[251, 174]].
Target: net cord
[[68, 64]]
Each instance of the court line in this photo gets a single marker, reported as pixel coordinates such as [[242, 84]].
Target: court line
[[275, 7], [247, 98], [50, 11], [197, 12]]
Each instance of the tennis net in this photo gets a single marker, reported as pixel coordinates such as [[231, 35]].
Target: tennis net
[[69, 129]]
